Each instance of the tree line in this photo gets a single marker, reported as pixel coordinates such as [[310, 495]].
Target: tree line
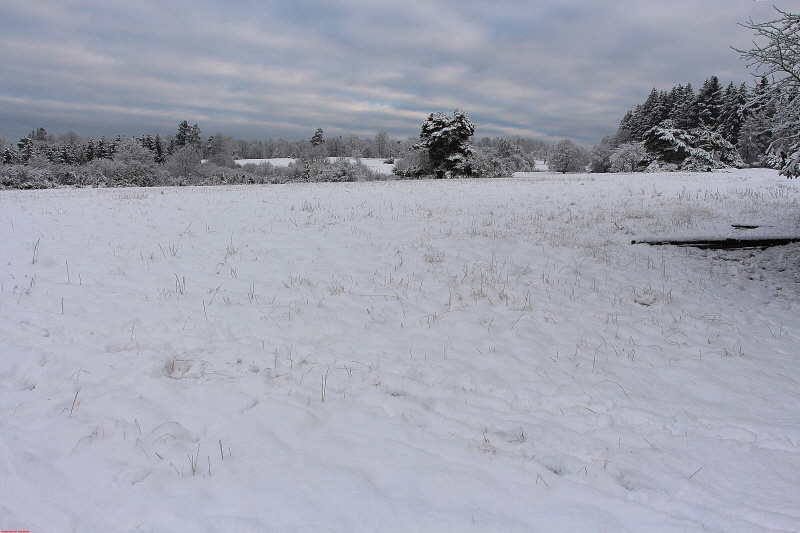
[[718, 127], [41, 160], [681, 129]]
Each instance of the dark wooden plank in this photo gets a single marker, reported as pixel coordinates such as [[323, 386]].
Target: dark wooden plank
[[726, 243]]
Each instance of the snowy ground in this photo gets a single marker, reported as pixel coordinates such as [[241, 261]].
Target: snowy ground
[[376, 164], [401, 356]]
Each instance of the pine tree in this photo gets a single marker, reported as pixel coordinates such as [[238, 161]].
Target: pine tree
[[39, 134], [103, 149], [447, 142], [626, 124], [317, 139], [25, 148], [709, 103], [733, 112], [89, 152], [10, 156], [182, 137], [194, 138], [684, 112], [159, 148]]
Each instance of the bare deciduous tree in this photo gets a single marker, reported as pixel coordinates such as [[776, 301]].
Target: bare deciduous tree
[[779, 61]]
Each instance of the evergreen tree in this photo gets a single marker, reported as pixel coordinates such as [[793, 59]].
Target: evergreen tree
[[447, 142], [755, 138], [25, 148], [317, 139], [696, 149], [89, 152], [159, 149], [182, 137], [221, 150], [39, 134], [733, 112], [710, 103], [10, 156], [684, 111], [187, 136], [194, 138], [104, 149], [148, 142], [626, 124]]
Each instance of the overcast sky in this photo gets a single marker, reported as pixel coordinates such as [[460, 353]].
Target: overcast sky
[[260, 69]]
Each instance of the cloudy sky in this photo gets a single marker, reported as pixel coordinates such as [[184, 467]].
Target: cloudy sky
[[259, 69]]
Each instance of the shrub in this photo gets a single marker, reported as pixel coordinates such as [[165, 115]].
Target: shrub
[[412, 164], [184, 162]]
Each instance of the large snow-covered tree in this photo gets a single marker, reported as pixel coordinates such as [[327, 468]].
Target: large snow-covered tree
[[568, 157], [446, 139], [778, 60]]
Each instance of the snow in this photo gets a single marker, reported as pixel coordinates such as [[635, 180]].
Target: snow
[[469, 355], [275, 161], [376, 164]]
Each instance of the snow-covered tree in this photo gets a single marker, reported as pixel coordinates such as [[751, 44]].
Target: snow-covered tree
[[183, 162], [684, 111], [25, 148], [186, 136], [568, 157], [600, 156], [709, 103], [221, 150], [502, 160], [627, 157], [382, 144], [446, 139], [755, 135], [733, 114], [317, 139], [696, 149], [778, 60], [159, 149]]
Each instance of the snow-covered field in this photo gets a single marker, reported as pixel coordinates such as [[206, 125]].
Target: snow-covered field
[[403, 356], [376, 164]]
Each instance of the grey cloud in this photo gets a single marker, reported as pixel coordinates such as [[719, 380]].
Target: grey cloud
[[567, 68]]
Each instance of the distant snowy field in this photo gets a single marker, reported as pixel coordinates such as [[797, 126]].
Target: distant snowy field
[[402, 356], [376, 164]]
